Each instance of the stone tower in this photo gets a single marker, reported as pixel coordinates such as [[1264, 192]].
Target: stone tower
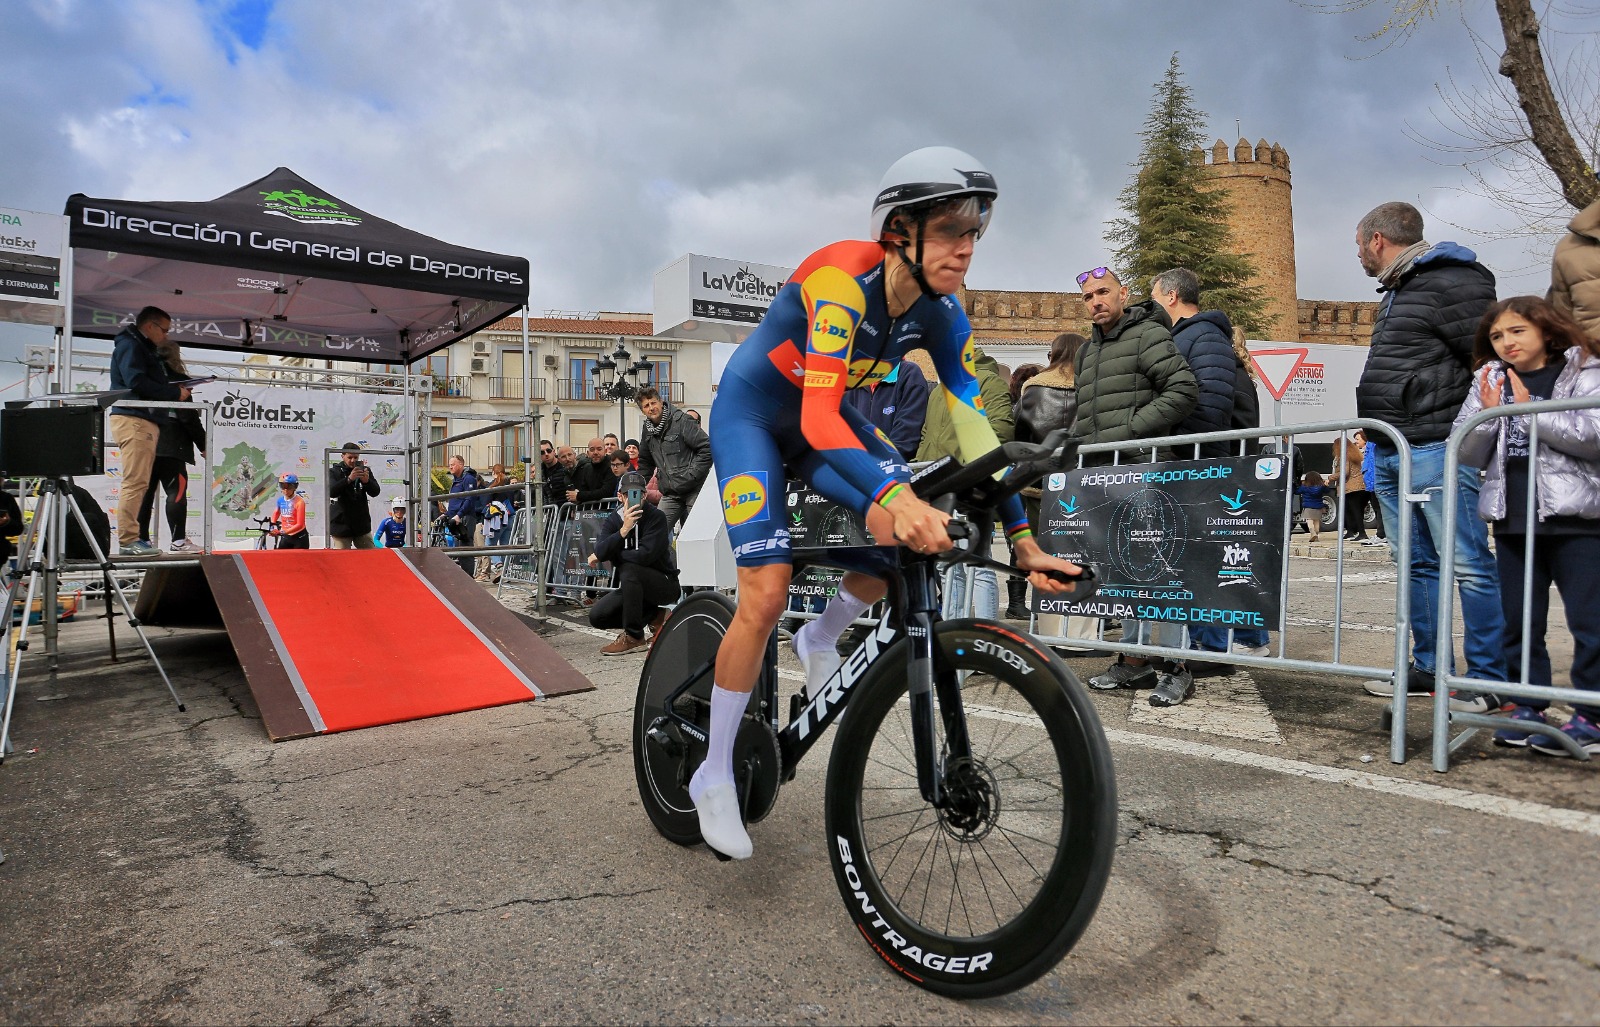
[[1257, 183]]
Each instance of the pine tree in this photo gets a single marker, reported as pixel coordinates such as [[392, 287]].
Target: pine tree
[[1172, 220]]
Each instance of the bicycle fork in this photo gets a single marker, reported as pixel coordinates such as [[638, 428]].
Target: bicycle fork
[[928, 673]]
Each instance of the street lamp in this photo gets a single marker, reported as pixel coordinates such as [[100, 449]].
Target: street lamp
[[621, 380], [555, 420]]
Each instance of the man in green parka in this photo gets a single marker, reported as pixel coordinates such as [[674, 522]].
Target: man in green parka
[[1133, 384]]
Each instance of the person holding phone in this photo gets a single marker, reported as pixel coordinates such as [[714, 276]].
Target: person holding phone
[[351, 484], [637, 540]]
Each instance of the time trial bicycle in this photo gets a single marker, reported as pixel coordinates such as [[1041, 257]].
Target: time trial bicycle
[[970, 800]]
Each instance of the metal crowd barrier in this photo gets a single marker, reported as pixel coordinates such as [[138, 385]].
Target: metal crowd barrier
[[521, 571], [575, 529], [1400, 554], [1443, 715]]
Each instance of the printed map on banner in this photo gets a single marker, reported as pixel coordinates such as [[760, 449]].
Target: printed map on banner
[[1193, 542]]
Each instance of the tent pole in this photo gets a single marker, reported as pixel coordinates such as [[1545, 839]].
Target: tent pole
[[533, 498], [64, 368]]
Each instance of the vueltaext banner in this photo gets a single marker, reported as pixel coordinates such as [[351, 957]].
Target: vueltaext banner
[[1197, 542], [262, 431]]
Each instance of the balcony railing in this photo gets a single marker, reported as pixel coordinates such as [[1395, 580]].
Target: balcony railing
[[575, 390], [455, 386], [511, 388]]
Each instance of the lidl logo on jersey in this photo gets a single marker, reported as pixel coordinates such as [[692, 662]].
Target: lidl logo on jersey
[[832, 328], [868, 371], [969, 356], [744, 498]]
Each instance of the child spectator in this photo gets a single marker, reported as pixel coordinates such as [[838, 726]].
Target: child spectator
[[1312, 495], [289, 515], [1526, 350], [392, 529]]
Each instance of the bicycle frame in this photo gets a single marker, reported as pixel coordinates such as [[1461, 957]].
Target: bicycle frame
[[914, 596]]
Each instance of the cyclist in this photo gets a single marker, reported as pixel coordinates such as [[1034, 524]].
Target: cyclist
[[289, 515], [844, 319]]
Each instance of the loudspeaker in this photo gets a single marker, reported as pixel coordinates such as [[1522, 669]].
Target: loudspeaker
[[52, 442]]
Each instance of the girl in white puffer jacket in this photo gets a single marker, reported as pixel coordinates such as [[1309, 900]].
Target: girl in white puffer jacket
[[1526, 351]]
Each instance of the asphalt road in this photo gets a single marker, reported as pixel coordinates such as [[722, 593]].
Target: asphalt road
[[496, 867]]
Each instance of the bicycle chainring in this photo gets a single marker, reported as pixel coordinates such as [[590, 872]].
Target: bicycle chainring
[[757, 767]]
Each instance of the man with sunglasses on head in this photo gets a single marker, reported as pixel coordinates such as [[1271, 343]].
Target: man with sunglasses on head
[[845, 319], [1133, 384]]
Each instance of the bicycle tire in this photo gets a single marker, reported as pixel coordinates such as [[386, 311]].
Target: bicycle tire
[[689, 637], [1041, 759]]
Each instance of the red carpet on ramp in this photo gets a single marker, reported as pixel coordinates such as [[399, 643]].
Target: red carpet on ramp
[[352, 639]]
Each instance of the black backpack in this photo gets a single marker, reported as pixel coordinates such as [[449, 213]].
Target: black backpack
[[99, 524]]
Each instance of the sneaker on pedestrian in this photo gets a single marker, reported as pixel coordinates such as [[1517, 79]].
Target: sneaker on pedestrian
[[1419, 682], [1123, 674], [625, 643], [1374, 541], [1513, 738], [1172, 687], [1252, 650], [183, 545], [138, 547], [1473, 702], [1580, 729]]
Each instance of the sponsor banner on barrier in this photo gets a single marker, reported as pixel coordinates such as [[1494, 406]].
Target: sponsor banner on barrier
[[1196, 542], [31, 247], [815, 520]]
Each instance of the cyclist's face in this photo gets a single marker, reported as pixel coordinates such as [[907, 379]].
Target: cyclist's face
[[947, 243]]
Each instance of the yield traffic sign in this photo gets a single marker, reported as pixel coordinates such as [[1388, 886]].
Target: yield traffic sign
[[1277, 367]]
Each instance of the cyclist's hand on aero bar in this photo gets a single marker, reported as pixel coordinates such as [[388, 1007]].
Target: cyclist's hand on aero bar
[[1031, 558], [917, 525]]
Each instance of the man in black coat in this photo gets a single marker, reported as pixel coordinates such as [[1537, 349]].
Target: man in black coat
[[1417, 375], [555, 474], [350, 486], [1205, 340], [592, 481], [137, 367], [637, 540], [676, 452]]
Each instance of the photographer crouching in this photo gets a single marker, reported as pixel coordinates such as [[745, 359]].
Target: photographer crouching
[[350, 486], [637, 539]]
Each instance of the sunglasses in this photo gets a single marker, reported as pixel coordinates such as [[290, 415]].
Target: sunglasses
[[1095, 273], [546, 452]]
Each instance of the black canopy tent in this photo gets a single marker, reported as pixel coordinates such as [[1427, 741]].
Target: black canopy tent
[[281, 266]]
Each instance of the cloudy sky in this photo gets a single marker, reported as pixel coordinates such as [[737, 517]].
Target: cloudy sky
[[604, 139]]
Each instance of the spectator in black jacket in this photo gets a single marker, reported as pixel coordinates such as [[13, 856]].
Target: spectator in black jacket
[[462, 513], [637, 540], [350, 485], [175, 442], [1205, 338], [592, 481], [554, 472], [137, 367], [1418, 372], [676, 453]]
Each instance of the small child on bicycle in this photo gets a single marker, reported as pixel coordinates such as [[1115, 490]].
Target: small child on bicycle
[[392, 529], [289, 515]]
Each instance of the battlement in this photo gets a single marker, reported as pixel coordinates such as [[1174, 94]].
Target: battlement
[[1337, 322], [1040, 315], [1243, 153]]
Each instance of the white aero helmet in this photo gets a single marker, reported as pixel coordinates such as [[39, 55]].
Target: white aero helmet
[[929, 174], [396, 503]]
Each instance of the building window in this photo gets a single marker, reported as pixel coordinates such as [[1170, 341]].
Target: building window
[[580, 369], [659, 374]]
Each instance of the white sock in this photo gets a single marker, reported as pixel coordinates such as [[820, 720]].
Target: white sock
[[824, 632], [726, 709]]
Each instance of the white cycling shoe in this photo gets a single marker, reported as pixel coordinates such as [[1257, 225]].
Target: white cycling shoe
[[820, 665], [721, 826]]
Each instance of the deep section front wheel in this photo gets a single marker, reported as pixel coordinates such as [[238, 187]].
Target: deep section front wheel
[[986, 893]]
